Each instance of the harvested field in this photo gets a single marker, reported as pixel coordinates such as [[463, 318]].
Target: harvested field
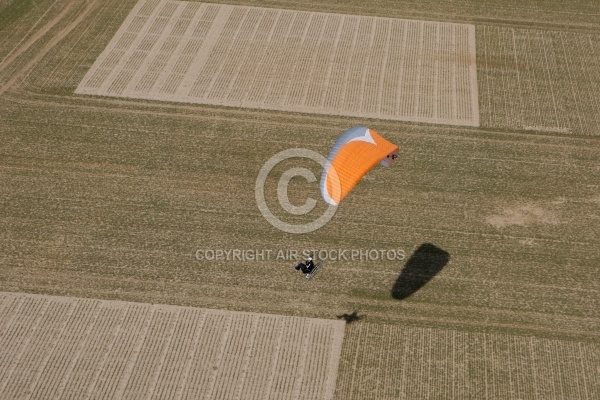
[[498, 296], [425, 363], [57, 347], [290, 60], [547, 81]]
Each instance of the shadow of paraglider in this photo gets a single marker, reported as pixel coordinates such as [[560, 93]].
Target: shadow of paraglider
[[425, 263], [350, 318]]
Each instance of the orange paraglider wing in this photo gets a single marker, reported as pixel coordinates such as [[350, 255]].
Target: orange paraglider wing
[[354, 154]]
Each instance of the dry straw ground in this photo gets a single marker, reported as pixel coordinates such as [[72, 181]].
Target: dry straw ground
[[70, 348], [110, 198], [291, 60]]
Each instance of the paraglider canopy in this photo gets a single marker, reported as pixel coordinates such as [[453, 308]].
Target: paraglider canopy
[[354, 154]]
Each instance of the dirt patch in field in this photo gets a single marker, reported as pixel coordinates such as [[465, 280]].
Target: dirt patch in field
[[523, 215]]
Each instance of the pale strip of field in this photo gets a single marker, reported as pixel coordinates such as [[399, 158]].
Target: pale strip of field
[[59, 347], [546, 81], [288, 60], [427, 363]]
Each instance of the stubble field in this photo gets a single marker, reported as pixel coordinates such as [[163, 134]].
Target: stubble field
[[69, 348], [265, 58], [110, 198]]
